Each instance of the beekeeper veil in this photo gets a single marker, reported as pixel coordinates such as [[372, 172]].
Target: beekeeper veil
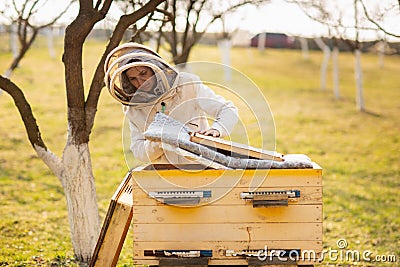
[[132, 55]]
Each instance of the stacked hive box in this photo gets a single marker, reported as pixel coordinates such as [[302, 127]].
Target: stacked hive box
[[186, 215]]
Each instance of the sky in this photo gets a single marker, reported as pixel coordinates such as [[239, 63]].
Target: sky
[[280, 16], [277, 16]]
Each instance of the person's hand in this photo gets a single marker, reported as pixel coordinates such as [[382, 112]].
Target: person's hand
[[211, 132]]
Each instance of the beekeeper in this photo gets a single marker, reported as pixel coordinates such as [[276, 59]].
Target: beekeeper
[[148, 84]]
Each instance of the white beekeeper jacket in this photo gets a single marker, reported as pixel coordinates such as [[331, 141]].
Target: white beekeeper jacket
[[178, 94], [188, 103]]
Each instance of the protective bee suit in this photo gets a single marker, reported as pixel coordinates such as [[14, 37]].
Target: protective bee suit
[[178, 94]]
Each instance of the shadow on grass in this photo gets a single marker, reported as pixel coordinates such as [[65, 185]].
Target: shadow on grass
[[371, 113]]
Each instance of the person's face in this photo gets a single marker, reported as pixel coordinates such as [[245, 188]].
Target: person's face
[[141, 75]]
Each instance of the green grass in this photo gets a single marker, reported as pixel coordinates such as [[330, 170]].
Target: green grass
[[359, 151]]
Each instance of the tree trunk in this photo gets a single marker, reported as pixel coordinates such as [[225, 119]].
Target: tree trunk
[[14, 40], [304, 48], [182, 58], [224, 46], [335, 71], [14, 48], [381, 47], [75, 174], [74, 170], [261, 42], [381, 59], [21, 53], [50, 42], [325, 61], [80, 192], [359, 81], [324, 67]]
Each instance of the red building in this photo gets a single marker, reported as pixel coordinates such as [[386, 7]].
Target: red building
[[274, 40]]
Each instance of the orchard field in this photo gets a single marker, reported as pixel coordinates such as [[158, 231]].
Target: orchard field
[[359, 151]]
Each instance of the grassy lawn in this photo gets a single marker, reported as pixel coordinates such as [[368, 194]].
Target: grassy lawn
[[359, 151]]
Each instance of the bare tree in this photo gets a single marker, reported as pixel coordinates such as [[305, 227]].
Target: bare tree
[[331, 13], [378, 17], [321, 11], [356, 46], [23, 16], [305, 51], [344, 21], [324, 66], [335, 68], [185, 28], [74, 168]]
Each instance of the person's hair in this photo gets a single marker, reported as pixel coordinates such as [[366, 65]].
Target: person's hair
[[127, 86]]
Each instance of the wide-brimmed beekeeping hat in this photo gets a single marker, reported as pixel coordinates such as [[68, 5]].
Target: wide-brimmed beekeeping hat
[[130, 55]]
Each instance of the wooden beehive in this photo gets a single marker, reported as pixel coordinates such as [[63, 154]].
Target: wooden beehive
[[187, 215]]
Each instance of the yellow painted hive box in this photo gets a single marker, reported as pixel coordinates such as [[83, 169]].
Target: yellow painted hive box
[[188, 215]]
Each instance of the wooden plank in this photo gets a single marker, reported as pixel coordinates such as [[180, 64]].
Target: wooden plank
[[219, 247], [223, 197], [227, 178], [154, 262], [230, 146], [226, 214], [195, 166], [113, 241], [228, 232], [220, 262], [115, 226]]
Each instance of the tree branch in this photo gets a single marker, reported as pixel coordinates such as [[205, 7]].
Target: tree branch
[[98, 3], [31, 127], [106, 6], [338, 24], [174, 37], [25, 111], [56, 18], [376, 23], [85, 5], [143, 28], [31, 10], [187, 26], [75, 36], [97, 80]]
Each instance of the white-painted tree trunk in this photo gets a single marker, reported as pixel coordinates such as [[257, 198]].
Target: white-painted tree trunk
[[359, 81], [225, 50], [14, 48], [261, 42], [325, 62], [304, 48], [14, 40], [380, 47], [8, 73], [153, 44], [75, 174], [335, 71], [50, 42], [381, 59]]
